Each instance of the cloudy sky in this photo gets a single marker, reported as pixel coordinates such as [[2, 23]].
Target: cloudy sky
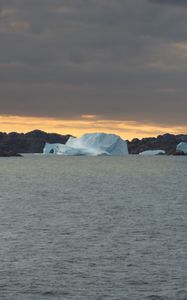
[[94, 65]]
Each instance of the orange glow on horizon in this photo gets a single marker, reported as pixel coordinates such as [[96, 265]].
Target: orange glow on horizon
[[86, 124]]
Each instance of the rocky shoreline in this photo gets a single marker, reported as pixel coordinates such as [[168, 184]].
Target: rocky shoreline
[[11, 144], [9, 154], [167, 142], [33, 142]]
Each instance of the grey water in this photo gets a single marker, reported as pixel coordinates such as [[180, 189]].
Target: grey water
[[93, 228]]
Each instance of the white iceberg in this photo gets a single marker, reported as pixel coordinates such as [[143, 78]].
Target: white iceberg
[[52, 148], [92, 144], [152, 152], [182, 147]]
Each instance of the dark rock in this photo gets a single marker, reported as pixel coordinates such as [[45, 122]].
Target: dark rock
[[166, 142], [9, 154], [31, 142]]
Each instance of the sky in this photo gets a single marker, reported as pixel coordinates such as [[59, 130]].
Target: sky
[[76, 66]]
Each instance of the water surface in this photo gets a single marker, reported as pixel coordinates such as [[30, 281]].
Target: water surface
[[93, 228]]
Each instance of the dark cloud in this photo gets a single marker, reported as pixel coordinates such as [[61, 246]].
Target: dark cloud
[[171, 2], [121, 59]]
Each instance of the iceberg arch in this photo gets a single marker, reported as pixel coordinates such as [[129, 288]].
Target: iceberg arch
[[92, 144], [51, 148]]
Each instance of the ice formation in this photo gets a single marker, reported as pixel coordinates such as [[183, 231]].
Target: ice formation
[[90, 144], [152, 152], [182, 147], [52, 148]]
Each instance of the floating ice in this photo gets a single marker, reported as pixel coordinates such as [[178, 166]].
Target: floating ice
[[182, 147], [52, 148], [152, 152], [90, 144]]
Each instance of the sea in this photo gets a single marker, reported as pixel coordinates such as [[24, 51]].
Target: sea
[[93, 228]]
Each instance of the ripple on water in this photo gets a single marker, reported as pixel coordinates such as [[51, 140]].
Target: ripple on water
[[93, 228]]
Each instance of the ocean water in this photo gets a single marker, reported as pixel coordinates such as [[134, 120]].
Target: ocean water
[[93, 228]]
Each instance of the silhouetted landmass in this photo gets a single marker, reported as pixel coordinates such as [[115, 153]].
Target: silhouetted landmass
[[167, 142], [33, 142]]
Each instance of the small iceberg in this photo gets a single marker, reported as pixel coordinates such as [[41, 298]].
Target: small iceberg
[[152, 152], [92, 144], [182, 147]]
